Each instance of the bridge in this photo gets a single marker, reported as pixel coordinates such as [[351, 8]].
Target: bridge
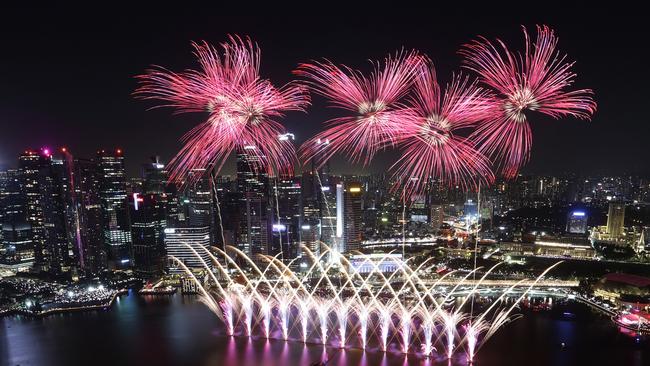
[[505, 283]]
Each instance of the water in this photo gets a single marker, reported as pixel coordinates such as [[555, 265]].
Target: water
[[178, 330]]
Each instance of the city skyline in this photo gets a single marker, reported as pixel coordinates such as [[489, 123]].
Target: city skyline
[[92, 107]]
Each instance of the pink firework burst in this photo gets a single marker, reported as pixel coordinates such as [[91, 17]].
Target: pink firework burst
[[375, 117], [241, 107], [431, 147], [537, 81]]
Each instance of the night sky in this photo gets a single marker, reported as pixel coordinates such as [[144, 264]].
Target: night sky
[[66, 77]]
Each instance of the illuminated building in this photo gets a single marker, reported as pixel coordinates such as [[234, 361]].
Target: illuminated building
[[17, 238], [366, 263], [93, 256], [200, 206], [615, 220], [43, 182], [318, 218], [253, 191], [115, 209], [177, 241], [437, 216], [147, 231], [352, 216], [286, 230], [577, 222], [55, 201], [29, 171]]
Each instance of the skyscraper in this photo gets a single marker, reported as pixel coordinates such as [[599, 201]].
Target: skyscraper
[[576, 222], [30, 164], [615, 219], [93, 256], [437, 216], [254, 210], [353, 216], [286, 217], [115, 208], [17, 239], [147, 230], [43, 183], [55, 200], [201, 206]]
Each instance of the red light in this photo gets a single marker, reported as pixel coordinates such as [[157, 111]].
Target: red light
[[63, 149], [119, 151]]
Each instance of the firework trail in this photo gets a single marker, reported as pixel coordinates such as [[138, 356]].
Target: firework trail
[[242, 108], [537, 81], [372, 103], [430, 146]]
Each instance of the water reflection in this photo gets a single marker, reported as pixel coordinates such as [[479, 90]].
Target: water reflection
[[178, 331]]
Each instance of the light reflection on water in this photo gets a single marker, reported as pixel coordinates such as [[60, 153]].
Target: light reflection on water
[[179, 331]]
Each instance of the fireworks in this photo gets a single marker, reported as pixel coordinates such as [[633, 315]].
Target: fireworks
[[430, 146], [418, 316], [241, 107], [537, 81], [375, 116]]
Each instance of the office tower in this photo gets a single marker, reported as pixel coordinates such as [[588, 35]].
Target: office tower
[[17, 239], [437, 216], [30, 164], [286, 217], [576, 222], [184, 244], [331, 216], [93, 256], [115, 209], [55, 201], [4, 181], [155, 182], [353, 216], [470, 209], [615, 219], [154, 177], [226, 211], [201, 206], [254, 209], [43, 183], [417, 212], [310, 213], [147, 232]]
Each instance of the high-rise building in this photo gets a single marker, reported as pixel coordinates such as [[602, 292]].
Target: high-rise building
[[4, 181], [353, 216], [30, 164], [185, 244], [577, 222], [286, 218], [254, 209], [93, 256], [437, 216], [615, 219], [44, 182], [154, 177], [147, 232], [17, 239], [115, 208], [55, 201], [201, 206]]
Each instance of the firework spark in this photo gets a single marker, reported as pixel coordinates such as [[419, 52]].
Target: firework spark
[[241, 106], [537, 81], [431, 148], [375, 116]]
